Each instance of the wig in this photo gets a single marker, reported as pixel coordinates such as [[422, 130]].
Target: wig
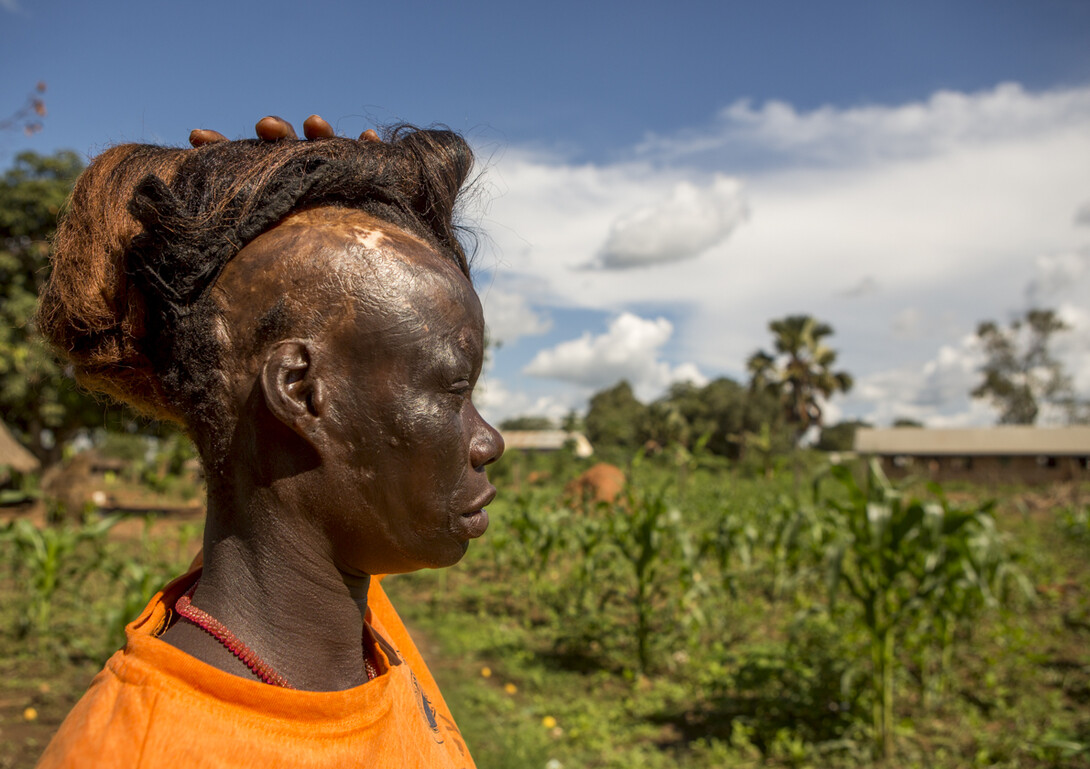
[[149, 229]]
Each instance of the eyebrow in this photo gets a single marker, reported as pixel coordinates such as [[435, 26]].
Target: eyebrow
[[468, 343]]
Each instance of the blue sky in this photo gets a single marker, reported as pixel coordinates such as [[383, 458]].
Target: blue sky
[[659, 183]]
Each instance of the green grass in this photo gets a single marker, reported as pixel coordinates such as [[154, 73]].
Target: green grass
[[745, 663]]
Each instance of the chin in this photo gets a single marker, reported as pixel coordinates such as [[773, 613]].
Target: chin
[[456, 553], [434, 559]]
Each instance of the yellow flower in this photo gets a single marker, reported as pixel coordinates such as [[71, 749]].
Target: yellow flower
[[548, 722], [30, 714], [510, 688], [486, 672]]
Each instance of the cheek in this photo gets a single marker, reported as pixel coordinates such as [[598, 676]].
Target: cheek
[[439, 445], [416, 423]]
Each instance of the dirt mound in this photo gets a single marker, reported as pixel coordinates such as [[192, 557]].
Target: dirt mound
[[601, 483]]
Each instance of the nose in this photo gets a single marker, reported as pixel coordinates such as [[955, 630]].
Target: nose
[[487, 443]]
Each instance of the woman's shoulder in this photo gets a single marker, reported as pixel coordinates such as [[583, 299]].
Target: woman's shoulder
[[155, 706]]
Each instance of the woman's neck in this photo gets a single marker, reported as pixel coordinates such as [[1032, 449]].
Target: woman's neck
[[269, 583]]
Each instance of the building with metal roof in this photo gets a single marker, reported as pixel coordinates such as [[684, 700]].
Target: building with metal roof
[[993, 454], [547, 440]]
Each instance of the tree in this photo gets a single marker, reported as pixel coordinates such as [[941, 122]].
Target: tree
[[38, 401], [906, 422], [1020, 373], [800, 372], [527, 423], [615, 417], [723, 410], [841, 436]]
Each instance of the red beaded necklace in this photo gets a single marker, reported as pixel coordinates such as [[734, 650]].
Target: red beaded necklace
[[205, 621]]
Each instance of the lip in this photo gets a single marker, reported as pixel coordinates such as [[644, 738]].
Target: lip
[[474, 523]]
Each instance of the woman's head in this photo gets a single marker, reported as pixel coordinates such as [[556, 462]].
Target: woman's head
[[353, 387], [132, 301], [379, 389]]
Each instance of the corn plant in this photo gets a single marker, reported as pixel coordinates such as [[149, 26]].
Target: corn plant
[[537, 530], [979, 573], [1075, 521], [730, 545], [43, 563], [136, 580], [795, 535], [138, 583], [587, 536], [898, 558], [655, 549]]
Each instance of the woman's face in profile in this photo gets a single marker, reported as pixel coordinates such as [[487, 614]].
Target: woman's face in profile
[[408, 476]]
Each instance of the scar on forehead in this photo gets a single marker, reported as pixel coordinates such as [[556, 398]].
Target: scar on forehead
[[368, 237], [353, 226]]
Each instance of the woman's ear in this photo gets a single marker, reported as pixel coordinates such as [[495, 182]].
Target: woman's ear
[[293, 387]]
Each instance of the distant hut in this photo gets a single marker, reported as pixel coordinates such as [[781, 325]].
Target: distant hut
[[997, 454], [519, 443], [547, 440], [13, 456]]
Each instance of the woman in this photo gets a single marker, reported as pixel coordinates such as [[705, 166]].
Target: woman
[[304, 310]]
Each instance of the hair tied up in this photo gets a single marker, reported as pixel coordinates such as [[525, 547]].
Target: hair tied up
[[188, 238], [149, 229]]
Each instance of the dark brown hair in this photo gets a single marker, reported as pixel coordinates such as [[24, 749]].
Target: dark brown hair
[[148, 229]]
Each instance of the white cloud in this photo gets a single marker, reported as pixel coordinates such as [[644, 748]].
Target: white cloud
[[685, 225], [933, 216], [945, 121], [1072, 347], [937, 392], [496, 402], [509, 316], [929, 393], [629, 349], [1055, 274]]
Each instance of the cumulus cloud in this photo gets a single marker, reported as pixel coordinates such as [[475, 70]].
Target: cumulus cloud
[[937, 392], [1056, 274], [830, 134], [629, 349], [509, 316], [957, 208], [1072, 347], [685, 225], [497, 402], [929, 393]]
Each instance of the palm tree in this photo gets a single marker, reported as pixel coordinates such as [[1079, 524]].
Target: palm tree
[[800, 372]]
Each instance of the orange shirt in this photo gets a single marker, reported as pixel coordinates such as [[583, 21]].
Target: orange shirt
[[155, 706]]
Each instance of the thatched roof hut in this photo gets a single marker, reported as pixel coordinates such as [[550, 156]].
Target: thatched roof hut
[[13, 455]]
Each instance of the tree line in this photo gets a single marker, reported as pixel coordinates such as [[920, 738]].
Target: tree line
[[1021, 377], [782, 401]]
